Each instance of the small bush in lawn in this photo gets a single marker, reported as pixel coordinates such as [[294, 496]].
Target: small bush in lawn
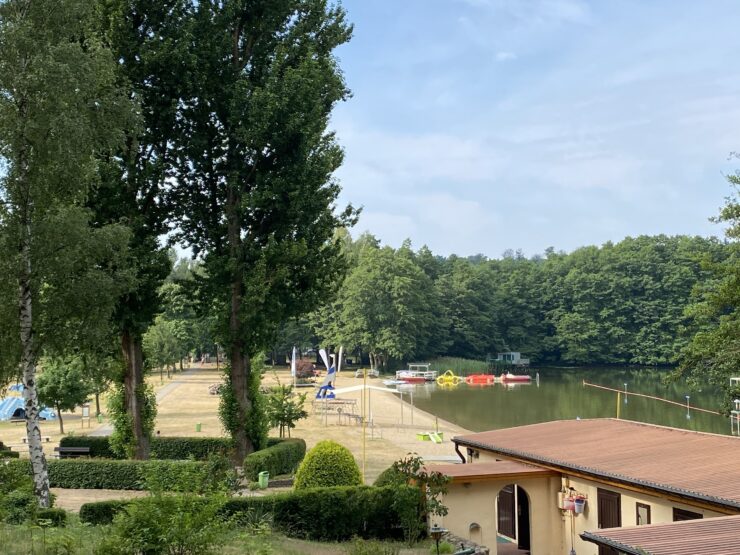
[[179, 524], [391, 476], [101, 512], [18, 506], [328, 464], [280, 457], [444, 548]]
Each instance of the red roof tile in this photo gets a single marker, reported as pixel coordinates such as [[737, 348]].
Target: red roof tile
[[711, 536], [693, 464]]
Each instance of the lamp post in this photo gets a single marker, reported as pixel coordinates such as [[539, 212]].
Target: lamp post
[[625, 393], [688, 413], [436, 532]]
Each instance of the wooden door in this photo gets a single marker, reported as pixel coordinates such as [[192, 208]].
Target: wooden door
[[506, 508], [609, 509]]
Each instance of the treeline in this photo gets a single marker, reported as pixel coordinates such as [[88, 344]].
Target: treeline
[[620, 303]]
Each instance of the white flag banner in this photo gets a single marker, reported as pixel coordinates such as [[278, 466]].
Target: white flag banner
[[292, 364]]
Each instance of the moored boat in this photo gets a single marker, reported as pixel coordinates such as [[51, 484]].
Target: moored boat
[[509, 378], [480, 379]]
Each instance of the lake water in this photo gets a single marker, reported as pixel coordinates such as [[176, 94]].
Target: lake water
[[561, 395]]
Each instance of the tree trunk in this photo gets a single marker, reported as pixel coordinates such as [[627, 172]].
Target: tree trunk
[[97, 403], [372, 360], [181, 364], [61, 422], [133, 382], [28, 363]]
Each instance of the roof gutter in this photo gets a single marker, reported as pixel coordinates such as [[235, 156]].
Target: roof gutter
[[593, 473], [607, 542], [459, 454]]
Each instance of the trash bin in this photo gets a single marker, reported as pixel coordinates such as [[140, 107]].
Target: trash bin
[[197, 427], [100, 419], [264, 477]]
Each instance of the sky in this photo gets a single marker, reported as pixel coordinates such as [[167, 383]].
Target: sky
[[478, 126]]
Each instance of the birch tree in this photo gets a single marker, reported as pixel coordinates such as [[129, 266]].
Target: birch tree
[[59, 108]]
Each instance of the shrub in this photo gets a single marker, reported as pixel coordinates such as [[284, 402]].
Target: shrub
[[18, 506], [57, 517], [101, 512], [328, 464], [99, 446], [8, 454], [283, 457], [110, 474], [214, 475], [335, 514], [164, 448], [182, 524], [391, 476], [371, 547]]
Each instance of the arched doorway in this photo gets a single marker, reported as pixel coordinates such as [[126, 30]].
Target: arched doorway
[[513, 515]]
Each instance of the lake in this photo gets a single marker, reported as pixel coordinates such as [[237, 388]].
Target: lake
[[561, 395]]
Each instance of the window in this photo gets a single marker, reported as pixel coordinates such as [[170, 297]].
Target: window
[[681, 514], [643, 514]]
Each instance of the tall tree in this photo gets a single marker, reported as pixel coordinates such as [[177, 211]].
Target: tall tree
[[59, 108], [146, 37], [63, 385], [255, 176], [713, 354]]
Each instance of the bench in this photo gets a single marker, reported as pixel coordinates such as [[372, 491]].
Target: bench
[[72, 452], [47, 439], [17, 420]]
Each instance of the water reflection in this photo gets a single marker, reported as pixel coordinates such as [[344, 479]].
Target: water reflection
[[561, 395]]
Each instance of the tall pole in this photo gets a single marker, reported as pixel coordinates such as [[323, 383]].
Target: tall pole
[[364, 420]]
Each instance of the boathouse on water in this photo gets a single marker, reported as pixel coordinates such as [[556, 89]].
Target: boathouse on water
[[552, 488]]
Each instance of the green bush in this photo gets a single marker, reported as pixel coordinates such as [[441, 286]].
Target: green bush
[[101, 512], [8, 454], [57, 517], [111, 474], [282, 457], [214, 475], [18, 506], [99, 446], [182, 524], [328, 464], [335, 514], [391, 477], [372, 547]]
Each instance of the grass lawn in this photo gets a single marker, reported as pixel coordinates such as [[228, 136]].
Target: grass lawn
[[82, 540]]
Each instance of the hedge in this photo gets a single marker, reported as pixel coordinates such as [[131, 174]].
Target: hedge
[[8, 454], [164, 448], [101, 512], [282, 457], [320, 514], [109, 474], [336, 514], [57, 517]]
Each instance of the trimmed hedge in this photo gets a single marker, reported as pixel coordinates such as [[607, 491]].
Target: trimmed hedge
[[58, 517], [320, 514], [163, 448], [101, 512], [335, 514], [282, 457], [109, 474], [8, 454]]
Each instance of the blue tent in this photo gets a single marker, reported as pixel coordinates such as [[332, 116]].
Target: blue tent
[[16, 387], [13, 407]]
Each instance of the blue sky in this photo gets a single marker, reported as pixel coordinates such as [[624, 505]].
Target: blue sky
[[478, 126]]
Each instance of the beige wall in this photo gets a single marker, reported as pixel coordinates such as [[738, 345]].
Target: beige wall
[[551, 528], [661, 511], [475, 502]]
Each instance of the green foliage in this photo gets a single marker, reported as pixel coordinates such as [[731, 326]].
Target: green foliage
[[122, 440], [63, 384], [101, 512], [280, 458], [335, 514], [371, 547], [177, 524], [255, 424], [54, 517], [459, 366], [391, 476], [214, 475], [444, 547], [327, 464], [8, 454], [284, 408], [130, 475], [163, 448], [18, 506], [99, 445]]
